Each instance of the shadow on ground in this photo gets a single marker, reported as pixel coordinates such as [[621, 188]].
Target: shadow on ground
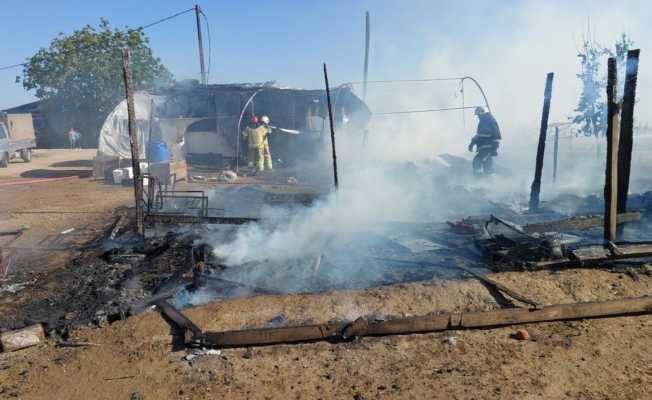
[[49, 173], [73, 164]]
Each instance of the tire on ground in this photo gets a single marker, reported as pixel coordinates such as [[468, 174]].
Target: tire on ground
[[4, 160]]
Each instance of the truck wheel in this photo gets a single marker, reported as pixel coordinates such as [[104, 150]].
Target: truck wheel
[[4, 160], [26, 155]]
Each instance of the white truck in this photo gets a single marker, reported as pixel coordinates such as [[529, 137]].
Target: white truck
[[17, 138]]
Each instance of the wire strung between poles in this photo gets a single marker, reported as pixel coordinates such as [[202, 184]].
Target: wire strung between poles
[[424, 111], [407, 80], [165, 19], [3, 68]]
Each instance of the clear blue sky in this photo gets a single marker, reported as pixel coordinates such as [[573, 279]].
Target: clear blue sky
[[508, 45], [282, 40]]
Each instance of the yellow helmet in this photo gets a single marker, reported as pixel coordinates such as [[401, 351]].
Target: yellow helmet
[[264, 119]]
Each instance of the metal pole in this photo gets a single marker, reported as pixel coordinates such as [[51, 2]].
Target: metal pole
[[486, 102], [554, 162], [611, 170], [366, 57], [201, 45], [365, 71], [541, 149], [133, 141], [626, 139], [330, 119]]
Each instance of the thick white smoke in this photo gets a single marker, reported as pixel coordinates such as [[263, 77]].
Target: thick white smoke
[[400, 174]]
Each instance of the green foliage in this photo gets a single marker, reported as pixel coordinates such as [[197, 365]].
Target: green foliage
[[82, 73], [591, 111]]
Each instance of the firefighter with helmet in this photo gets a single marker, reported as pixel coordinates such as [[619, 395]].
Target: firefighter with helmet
[[266, 155], [486, 142], [258, 144]]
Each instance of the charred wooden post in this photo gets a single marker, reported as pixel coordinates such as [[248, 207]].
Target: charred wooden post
[[201, 45], [133, 141], [611, 169], [541, 149], [330, 119], [556, 156], [625, 141]]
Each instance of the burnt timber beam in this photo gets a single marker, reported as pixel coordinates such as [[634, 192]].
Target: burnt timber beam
[[133, 139], [192, 219], [626, 139], [343, 330], [179, 319], [611, 168], [541, 149]]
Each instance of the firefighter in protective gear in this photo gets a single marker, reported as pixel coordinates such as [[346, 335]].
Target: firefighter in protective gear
[[486, 141], [259, 143], [252, 151]]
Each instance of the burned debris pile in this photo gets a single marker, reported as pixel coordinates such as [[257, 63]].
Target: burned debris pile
[[109, 280], [120, 273]]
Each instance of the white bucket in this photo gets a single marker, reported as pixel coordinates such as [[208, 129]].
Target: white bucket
[[128, 173], [118, 175]]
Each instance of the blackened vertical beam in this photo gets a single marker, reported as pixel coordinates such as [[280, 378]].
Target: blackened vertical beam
[[541, 149], [626, 139], [330, 119], [367, 38], [133, 140], [556, 156], [611, 169], [201, 45]]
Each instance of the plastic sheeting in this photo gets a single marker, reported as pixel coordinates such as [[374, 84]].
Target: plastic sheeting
[[114, 135]]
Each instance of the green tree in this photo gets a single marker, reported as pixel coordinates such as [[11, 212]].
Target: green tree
[[80, 75], [591, 111]]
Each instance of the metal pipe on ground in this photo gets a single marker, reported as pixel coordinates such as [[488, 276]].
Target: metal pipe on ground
[[422, 324]]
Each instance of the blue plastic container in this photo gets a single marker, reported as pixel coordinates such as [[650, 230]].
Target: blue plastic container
[[158, 152]]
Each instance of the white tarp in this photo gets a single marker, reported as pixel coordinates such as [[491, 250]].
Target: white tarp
[[114, 135]]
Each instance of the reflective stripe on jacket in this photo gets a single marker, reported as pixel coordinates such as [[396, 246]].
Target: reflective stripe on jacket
[[258, 136]]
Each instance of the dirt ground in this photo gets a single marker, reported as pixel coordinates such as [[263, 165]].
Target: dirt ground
[[52, 194], [134, 358]]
